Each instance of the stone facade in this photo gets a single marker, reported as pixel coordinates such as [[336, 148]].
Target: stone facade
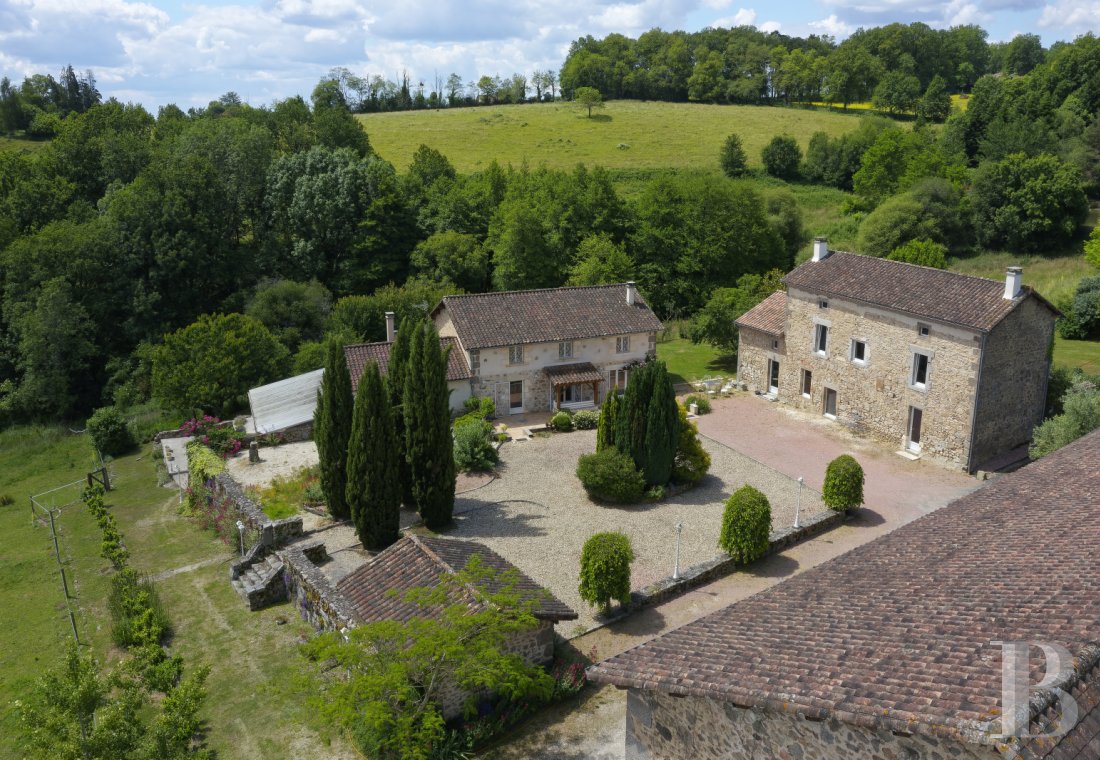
[[877, 396], [663, 727], [1012, 394], [493, 373]]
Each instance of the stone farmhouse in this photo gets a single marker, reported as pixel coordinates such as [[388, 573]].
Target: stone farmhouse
[[939, 364], [896, 649], [536, 350], [358, 355]]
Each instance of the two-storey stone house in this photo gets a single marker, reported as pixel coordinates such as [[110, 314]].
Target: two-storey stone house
[[535, 350], [937, 363]]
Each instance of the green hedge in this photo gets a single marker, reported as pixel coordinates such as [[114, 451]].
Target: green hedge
[[611, 476]]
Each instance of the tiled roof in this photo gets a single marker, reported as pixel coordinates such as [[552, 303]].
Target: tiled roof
[[570, 374], [376, 590], [934, 294], [768, 316], [898, 633], [544, 316], [359, 354]]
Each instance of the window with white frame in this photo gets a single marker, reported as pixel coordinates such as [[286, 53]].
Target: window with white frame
[[617, 379], [821, 339], [923, 330], [565, 349], [921, 365], [859, 351], [622, 344], [515, 354]]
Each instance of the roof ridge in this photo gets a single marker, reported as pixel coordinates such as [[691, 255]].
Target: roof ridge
[[911, 264], [431, 554], [532, 290]]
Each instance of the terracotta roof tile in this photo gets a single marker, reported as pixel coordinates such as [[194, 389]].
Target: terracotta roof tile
[[569, 374], [516, 317], [898, 633], [769, 316], [359, 354], [376, 590], [934, 294]]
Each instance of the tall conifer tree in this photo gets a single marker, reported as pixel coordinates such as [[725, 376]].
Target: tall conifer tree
[[373, 491], [332, 429], [662, 432], [429, 445], [605, 431], [400, 353]]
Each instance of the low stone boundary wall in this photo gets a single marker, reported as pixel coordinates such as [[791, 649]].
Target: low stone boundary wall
[[271, 532], [721, 566], [311, 591]]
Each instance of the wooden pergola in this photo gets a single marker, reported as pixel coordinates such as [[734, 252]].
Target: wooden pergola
[[563, 376]]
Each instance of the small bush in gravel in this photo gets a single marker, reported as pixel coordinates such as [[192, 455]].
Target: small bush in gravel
[[610, 475], [586, 419], [692, 460], [474, 451], [843, 489], [605, 570], [110, 432], [561, 422], [746, 525], [700, 401]]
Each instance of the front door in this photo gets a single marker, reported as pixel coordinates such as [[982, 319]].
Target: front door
[[916, 417], [773, 377], [515, 396]]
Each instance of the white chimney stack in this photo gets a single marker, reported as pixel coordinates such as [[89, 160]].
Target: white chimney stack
[[821, 249], [1013, 282], [631, 293], [391, 331]]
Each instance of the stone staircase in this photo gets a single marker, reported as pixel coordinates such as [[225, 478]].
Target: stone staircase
[[260, 581]]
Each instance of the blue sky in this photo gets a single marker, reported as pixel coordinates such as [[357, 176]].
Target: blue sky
[[189, 53]]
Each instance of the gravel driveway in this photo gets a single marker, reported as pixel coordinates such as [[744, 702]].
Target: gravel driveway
[[537, 515]]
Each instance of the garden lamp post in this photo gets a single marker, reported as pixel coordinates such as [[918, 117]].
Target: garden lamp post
[[798, 504], [676, 569], [240, 530]]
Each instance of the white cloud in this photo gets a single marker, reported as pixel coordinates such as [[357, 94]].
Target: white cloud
[[743, 17], [961, 13], [770, 26], [832, 26], [1077, 16]]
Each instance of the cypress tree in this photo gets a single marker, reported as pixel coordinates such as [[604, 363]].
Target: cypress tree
[[605, 432], [631, 421], [429, 445], [373, 491], [400, 352], [332, 429], [662, 431]]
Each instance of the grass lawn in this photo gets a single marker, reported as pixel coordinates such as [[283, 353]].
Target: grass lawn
[[1055, 277], [1077, 353], [689, 361], [627, 134], [255, 706], [22, 143]]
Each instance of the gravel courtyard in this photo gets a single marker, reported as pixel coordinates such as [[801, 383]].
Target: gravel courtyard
[[537, 515]]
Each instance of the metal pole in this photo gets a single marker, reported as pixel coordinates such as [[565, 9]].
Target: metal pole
[[798, 504], [240, 529], [676, 569]]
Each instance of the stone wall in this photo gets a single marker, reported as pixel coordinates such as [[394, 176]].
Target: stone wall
[[1014, 376], [270, 532], [317, 600], [663, 727], [874, 397], [754, 350]]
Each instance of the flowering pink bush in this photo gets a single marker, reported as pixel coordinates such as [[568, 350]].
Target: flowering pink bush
[[210, 430]]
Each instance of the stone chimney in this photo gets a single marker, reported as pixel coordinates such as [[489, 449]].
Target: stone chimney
[[391, 331], [631, 293], [1013, 282], [821, 249]]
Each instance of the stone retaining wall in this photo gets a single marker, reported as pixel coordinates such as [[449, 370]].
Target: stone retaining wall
[[271, 532], [308, 588]]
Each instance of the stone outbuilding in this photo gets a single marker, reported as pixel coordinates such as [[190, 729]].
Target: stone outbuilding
[[899, 648], [938, 364], [535, 350]]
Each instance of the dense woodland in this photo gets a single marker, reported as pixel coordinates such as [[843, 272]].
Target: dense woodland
[[126, 228]]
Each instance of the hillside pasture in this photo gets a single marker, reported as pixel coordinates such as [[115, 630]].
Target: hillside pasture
[[626, 134]]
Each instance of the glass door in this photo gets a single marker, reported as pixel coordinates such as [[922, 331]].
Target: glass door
[[916, 418], [773, 377]]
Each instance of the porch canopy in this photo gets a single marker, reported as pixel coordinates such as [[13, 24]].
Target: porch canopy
[[563, 376]]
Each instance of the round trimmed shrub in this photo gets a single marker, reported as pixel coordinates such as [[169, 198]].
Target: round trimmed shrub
[[110, 432], [611, 476], [843, 489], [562, 422], [700, 401], [782, 157], [605, 570], [746, 525], [586, 419]]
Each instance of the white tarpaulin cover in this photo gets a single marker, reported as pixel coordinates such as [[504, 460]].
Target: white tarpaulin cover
[[286, 403]]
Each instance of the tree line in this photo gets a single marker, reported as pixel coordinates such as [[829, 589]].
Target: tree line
[[894, 64], [128, 227], [37, 106]]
